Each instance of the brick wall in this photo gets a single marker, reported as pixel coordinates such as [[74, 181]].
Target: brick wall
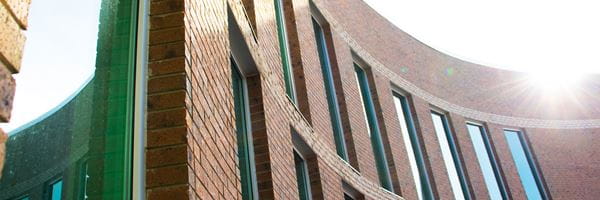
[[192, 148], [13, 23]]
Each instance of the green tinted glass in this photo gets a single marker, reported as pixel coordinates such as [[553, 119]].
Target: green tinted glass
[[87, 139]]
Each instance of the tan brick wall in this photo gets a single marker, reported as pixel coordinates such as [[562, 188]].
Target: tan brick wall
[[13, 21]]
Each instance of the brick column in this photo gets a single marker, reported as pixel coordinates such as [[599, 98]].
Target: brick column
[[13, 21]]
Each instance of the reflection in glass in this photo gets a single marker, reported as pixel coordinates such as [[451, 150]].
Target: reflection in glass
[[486, 160], [523, 164], [449, 154], [86, 139], [57, 190], [412, 145]]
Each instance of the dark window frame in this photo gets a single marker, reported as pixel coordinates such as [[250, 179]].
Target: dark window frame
[[415, 140], [452, 144], [373, 124]]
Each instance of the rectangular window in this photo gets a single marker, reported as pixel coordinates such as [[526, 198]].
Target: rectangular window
[[244, 135], [373, 128], [288, 73], [56, 190], [487, 161], [334, 110], [302, 177], [450, 155], [412, 145], [532, 183]]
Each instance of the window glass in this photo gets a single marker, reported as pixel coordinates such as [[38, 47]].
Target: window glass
[[487, 165], [302, 177], [74, 101], [56, 193], [415, 157], [445, 141], [373, 128], [288, 73], [244, 135], [332, 102], [523, 164]]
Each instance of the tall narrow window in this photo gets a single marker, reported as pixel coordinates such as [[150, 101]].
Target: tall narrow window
[[334, 110], [412, 145], [532, 183], [288, 73], [373, 128], [450, 155], [487, 161], [302, 177], [244, 135], [56, 190]]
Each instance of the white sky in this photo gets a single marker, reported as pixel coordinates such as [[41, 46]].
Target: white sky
[[542, 36], [531, 36], [59, 56]]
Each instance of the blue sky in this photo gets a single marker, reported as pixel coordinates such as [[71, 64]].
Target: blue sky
[[59, 56]]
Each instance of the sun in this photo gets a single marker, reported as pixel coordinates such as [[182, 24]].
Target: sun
[[553, 81]]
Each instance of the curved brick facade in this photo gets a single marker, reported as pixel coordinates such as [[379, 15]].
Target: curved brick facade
[[191, 141]]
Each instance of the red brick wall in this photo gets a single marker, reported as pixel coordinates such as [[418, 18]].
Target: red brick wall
[[191, 145]]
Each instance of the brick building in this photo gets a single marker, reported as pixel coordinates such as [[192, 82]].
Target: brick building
[[310, 99]]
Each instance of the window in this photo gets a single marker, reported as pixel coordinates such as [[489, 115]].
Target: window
[[84, 108], [350, 193], [347, 197], [56, 190], [288, 73], [532, 183], [244, 135], [332, 102], [302, 177], [373, 128], [412, 145], [487, 161], [450, 155]]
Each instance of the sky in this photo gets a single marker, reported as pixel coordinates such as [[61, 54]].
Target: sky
[[59, 56], [537, 36], [545, 37]]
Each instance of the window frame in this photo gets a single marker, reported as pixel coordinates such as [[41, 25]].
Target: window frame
[[330, 88], [50, 187], [373, 126], [303, 188], [284, 50], [245, 138], [493, 161], [455, 155], [426, 191], [533, 167]]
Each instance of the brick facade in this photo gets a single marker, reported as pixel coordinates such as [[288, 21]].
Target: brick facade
[[191, 138], [13, 23]]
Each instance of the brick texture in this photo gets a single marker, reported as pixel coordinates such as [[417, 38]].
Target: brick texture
[[191, 148]]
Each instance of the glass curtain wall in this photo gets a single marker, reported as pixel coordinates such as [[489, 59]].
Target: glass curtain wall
[[80, 148]]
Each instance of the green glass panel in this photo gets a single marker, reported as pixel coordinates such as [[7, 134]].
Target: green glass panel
[[369, 108], [334, 110], [288, 74], [87, 139], [244, 136]]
